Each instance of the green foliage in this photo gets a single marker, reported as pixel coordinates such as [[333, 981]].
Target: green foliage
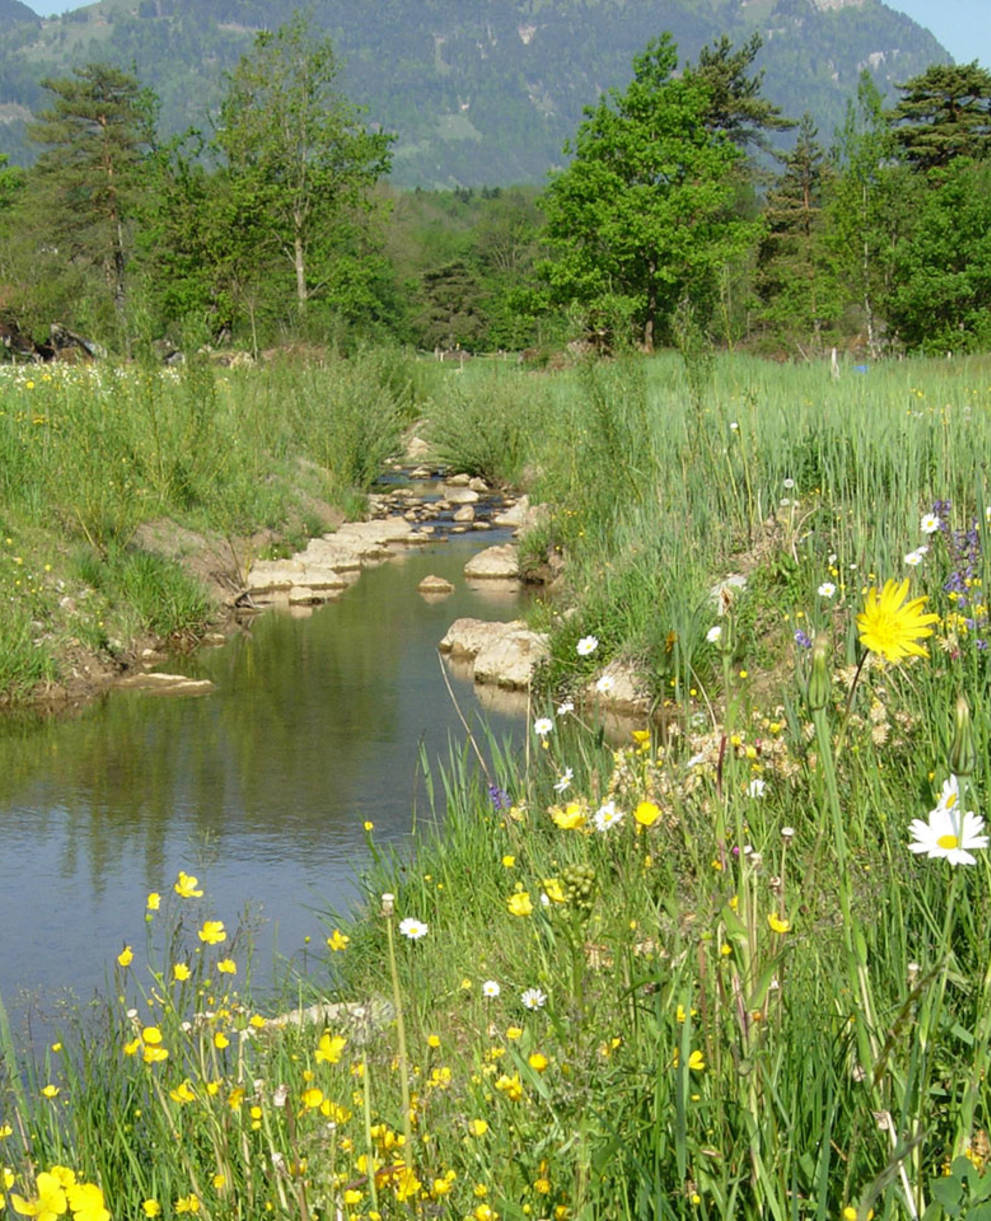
[[642, 211], [157, 591], [96, 136], [299, 162], [942, 297], [943, 113]]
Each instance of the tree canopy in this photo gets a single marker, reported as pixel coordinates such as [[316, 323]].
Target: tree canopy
[[945, 112], [642, 215]]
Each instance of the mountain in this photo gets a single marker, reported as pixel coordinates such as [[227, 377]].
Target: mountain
[[478, 91]]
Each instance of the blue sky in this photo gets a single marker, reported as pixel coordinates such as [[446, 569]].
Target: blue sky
[[962, 26]]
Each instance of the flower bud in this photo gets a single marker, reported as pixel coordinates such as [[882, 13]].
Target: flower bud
[[963, 753], [819, 679]]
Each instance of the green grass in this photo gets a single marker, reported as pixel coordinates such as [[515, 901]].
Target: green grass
[[754, 1000]]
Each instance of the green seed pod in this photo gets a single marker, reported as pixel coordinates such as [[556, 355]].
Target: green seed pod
[[963, 753], [819, 679]]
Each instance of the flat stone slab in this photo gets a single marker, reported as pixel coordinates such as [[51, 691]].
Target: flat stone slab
[[166, 684], [620, 688], [510, 660], [494, 563], [435, 585], [465, 638]]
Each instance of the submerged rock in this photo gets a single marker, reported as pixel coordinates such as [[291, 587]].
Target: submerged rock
[[166, 684], [494, 563]]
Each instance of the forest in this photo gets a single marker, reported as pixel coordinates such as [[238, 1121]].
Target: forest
[[672, 221]]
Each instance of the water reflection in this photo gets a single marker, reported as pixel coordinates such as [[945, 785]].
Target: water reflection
[[260, 788]]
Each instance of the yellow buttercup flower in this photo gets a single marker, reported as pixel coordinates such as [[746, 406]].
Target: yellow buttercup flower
[[891, 626], [477, 1127], [646, 813], [186, 886], [227, 966], [337, 941], [519, 904], [212, 932], [126, 956], [329, 1049], [154, 901], [778, 925], [180, 971]]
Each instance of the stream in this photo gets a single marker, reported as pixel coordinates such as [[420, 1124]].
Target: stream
[[260, 789]]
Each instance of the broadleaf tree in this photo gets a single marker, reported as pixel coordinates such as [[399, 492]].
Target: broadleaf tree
[[296, 152], [642, 217]]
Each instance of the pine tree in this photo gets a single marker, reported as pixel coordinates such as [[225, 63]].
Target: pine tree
[[97, 134], [943, 113]]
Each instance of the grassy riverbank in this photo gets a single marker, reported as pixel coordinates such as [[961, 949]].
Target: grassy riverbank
[[697, 975]]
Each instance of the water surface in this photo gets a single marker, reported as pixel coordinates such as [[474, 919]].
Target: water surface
[[261, 789]]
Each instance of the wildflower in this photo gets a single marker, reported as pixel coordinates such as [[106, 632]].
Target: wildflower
[[154, 901], [188, 1204], [186, 886], [803, 639], [312, 1098], [646, 813], [554, 891], [412, 928], [533, 998], [587, 645], [330, 1048], [490, 989], [696, 1061], [151, 1208], [788, 483], [519, 903], [538, 1062], [512, 1087], [126, 956], [714, 634], [508, 861], [50, 1202], [607, 816], [542, 726], [337, 941], [564, 708], [212, 932], [915, 558], [564, 780], [180, 971], [50, 1091], [777, 924], [946, 834], [499, 797], [227, 966], [757, 787], [183, 1092], [477, 1127], [891, 626], [930, 523], [220, 1040], [571, 818], [826, 590], [605, 684]]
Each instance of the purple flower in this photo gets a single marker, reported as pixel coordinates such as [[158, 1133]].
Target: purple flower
[[499, 798], [803, 640]]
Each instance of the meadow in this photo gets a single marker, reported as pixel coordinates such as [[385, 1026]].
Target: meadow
[[734, 965]]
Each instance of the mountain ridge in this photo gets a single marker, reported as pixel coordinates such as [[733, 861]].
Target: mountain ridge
[[478, 91]]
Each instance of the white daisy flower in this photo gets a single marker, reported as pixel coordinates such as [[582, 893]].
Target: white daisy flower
[[533, 998], [826, 590], [542, 726], [564, 780], [587, 645], [412, 928], [757, 787], [948, 834], [605, 684], [607, 816], [930, 523], [490, 989], [713, 634], [565, 708], [914, 559]]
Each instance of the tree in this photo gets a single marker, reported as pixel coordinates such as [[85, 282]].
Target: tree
[[296, 154], [869, 209], [736, 108], [641, 215], [943, 113], [942, 298], [97, 134], [790, 275]]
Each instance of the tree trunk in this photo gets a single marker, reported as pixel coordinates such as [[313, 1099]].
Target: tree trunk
[[299, 261]]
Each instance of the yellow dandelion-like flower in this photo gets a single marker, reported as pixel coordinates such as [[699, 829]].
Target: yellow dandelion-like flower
[[212, 932], [186, 886], [777, 924], [337, 941], [520, 904], [646, 813], [329, 1049], [891, 626], [126, 956]]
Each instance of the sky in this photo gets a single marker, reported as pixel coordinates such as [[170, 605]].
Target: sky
[[962, 26]]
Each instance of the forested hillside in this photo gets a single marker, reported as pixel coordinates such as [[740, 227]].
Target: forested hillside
[[477, 91]]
